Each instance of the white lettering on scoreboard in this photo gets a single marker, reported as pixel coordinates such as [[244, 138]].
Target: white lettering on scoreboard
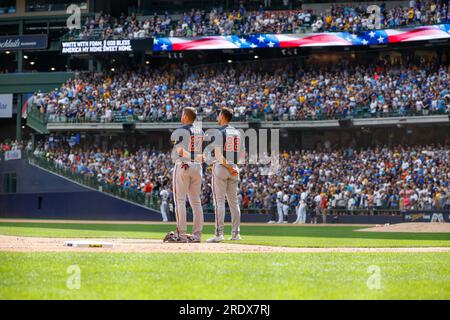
[[97, 46]]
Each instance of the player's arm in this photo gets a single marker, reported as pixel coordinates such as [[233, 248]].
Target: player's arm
[[223, 161], [202, 145], [179, 149], [182, 152], [196, 144]]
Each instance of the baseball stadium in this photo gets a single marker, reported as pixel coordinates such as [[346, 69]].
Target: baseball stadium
[[338, 111]]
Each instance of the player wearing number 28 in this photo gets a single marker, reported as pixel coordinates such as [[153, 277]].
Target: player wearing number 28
[[225, 176]]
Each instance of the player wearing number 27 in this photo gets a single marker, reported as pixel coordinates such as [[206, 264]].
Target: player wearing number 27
[[188, 175], [225, 176]]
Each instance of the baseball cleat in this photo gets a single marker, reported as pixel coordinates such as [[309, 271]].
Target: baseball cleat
[[192, 239], [215, 239], [235, 237], [271, 221]]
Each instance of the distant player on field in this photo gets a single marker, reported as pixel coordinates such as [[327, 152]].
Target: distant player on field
[[225, 177], [302, 207], [164, 194], [280, 206], [285, 206]]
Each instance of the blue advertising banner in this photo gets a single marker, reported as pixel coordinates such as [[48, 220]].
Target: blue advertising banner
[[29, 41], [426, 216]]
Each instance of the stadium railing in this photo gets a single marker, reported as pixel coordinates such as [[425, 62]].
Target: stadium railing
[[92, 182], [119, 117]]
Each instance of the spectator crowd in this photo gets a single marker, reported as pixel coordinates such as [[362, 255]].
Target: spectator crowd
[[337, 17], [12, 145], [277, 90], [401, 177]]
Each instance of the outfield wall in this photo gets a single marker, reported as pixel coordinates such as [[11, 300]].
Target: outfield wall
[[40, 194]]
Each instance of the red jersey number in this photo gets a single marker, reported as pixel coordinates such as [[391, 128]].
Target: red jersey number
[[232, 144], [196, 144]]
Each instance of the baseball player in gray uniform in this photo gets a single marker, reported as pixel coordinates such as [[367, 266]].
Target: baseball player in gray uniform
[[225, 177], [187, 176], [164, 194]]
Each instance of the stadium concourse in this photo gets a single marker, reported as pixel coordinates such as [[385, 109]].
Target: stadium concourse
[[394, 178], [195, 22], [285, 91]]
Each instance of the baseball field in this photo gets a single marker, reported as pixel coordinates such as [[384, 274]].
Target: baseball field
[[271, 262]]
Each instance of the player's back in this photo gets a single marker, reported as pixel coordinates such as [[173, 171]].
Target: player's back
[[191, 138], [231, 140]]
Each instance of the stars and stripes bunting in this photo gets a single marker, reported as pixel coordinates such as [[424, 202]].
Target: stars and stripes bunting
[[255, 41]]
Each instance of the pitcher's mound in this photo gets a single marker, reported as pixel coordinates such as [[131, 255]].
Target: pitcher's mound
[[411, 227]]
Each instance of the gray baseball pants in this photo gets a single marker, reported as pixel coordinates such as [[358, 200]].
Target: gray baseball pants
[[187, 181], [224, 185]]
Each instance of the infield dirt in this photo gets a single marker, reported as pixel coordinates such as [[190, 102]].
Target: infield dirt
[[34, 244]]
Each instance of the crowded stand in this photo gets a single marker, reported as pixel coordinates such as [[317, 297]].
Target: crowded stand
[[337, 17], [384, 178], [285, 91], [11, 145]]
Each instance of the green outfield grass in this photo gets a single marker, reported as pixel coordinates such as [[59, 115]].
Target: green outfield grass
[[291, 236], [226, 276]]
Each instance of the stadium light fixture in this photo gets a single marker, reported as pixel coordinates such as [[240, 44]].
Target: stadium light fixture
[[32, 63], [256, 57], [112, 69], [8, 52], [229, 61], [52, 68], [147, 62], [25, 57]]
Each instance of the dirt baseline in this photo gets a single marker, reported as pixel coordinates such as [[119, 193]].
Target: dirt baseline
[[33, 244]]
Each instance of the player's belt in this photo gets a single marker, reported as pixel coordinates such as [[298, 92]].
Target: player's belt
[[231, 164], [187, 162]]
